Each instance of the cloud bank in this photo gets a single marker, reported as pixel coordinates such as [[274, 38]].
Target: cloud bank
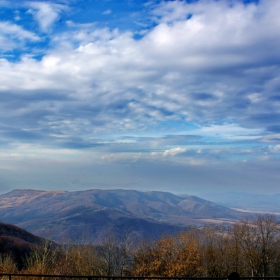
[[197, 84]]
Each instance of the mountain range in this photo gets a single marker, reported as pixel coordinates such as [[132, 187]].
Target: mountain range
[[63, 215]]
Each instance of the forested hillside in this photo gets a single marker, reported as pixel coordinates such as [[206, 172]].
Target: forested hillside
[[16, 245], [250, 246]]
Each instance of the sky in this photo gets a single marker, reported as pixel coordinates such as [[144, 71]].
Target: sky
[[179, 96]]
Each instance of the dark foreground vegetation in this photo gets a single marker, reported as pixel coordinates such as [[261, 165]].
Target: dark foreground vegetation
[[250, 246]]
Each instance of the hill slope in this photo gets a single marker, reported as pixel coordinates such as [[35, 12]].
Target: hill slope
[[87, 214], [17, 242]]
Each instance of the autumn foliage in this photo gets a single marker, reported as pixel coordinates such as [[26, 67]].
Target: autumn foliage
[[250, 246], [170, 256]]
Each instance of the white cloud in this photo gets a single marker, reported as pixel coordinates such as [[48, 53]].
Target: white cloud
[[15, 31], [174, 151], [13, 36], [107, 12], [229, 131], [45, 13], [275, 149], [212, 66]]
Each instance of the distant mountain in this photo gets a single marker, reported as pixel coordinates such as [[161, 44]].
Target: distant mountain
[[247, 201], [61, 215]]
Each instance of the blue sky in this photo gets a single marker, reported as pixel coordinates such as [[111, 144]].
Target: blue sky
[[180, 96]]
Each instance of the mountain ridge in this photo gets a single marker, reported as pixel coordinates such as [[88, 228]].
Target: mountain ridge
[[94, 211]]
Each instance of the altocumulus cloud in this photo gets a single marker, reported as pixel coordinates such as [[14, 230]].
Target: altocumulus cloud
[[196, 83]]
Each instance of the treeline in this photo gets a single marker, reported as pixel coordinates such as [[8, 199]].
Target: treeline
[[251, 247]]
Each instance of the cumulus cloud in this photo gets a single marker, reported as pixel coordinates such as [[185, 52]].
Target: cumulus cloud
[[204, 77]]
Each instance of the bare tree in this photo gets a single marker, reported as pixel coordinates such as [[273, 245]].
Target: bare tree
[[259, 242], [7, 264], [116, 253], [78, 259]]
